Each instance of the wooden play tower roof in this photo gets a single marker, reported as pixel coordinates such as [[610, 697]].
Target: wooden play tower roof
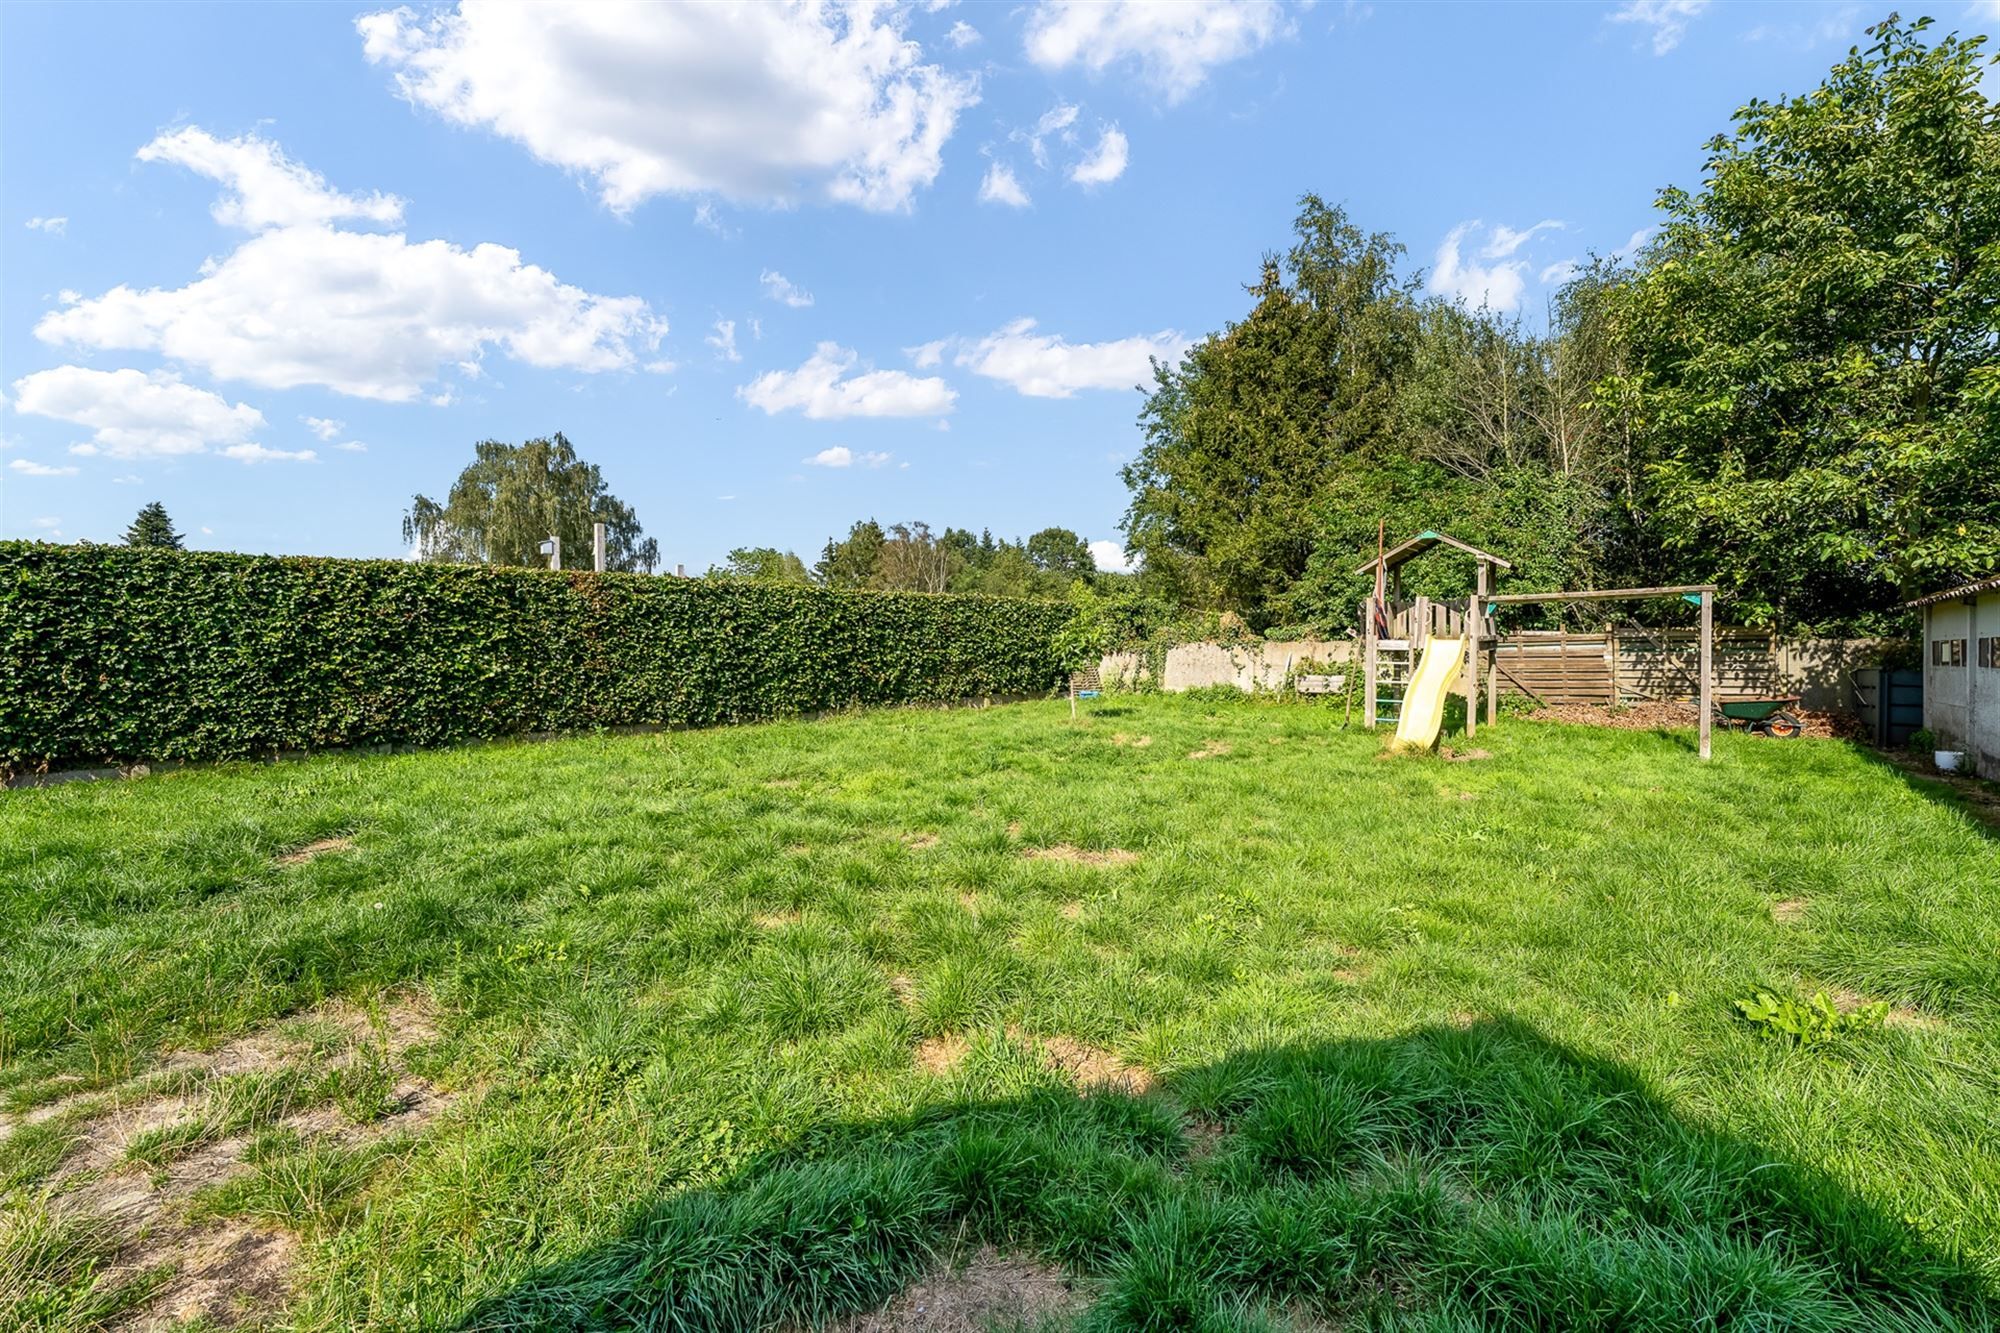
[[1424, 541]]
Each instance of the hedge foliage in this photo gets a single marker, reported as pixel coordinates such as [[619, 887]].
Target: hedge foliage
[[112, 654]]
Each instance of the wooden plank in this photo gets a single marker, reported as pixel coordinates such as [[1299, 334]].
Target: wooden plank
[[1604, 595]]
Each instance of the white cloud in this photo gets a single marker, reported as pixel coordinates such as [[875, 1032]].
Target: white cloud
[[1044, 365], [53, 226], [1505, 240], [1104, 165], [324, 427], [723, 340], [133, 414], [841, 456], [366, 315], [761, 103], [925, 355], [257, 453], [1110, 558], [129, 479], [824, 390], [783, 290], [1632, 246], [1560, 271], [52, 526], [963, 34], [28, 468], [352, 447], [1001, 186], [1174, 46], [262, 187], [1496, 286], [708, 219], [1057, 122], [1667, 19]]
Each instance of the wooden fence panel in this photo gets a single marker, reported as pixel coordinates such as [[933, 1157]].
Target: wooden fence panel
[[1629, 667]]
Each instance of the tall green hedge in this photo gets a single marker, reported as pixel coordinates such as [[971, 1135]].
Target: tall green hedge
[[112, 654]]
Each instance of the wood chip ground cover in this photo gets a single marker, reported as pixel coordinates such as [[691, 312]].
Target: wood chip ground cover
[[1001, 1004]]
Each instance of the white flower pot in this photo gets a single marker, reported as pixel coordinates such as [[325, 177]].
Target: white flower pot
[[1947, 761]]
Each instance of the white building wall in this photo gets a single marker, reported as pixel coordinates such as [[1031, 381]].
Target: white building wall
[[1962, 703]]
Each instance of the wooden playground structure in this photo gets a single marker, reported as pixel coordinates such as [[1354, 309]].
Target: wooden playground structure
[[1395, 632]]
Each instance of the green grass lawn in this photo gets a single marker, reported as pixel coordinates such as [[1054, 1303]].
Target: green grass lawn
[[1232, 1019]]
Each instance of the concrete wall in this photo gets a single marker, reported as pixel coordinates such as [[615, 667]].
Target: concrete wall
[[1647, 666], [1247, 667], [1962, 703]]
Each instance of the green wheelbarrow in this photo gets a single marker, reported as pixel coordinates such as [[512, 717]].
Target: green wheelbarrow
[[1769, 717]]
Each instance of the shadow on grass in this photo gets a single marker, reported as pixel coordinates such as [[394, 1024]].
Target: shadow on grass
[[1976, 799], [1450, 1178]]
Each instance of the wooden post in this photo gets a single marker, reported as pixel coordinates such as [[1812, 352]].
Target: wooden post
[[1707, 666], [555, 551], [1370, 673], [1493, 686], [597, 547], [1472, 614]]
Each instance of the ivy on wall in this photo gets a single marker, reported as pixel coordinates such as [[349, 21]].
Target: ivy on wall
[[112, 654]]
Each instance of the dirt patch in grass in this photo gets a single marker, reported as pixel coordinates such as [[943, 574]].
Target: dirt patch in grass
[[775, 920], [1136, 742], [1082, 856], [1089, 1067], [1204, 1137], [1072, 911], [920, 842], [1899, 1015], [1210, 750], [990, 1290], [941, 1055], [1452, 756], [324, 847], [228, 1269], [221, 1271], [1789, 912]]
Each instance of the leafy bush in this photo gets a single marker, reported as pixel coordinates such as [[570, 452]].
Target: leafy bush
[[119, 653], [1923, 740], [1811, 1022]]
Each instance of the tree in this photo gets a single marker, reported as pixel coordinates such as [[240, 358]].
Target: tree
[[762, 564], [1062, 554], [852, 563], [1239, 437], [1813, 341], [513, 497], [913, 560], [153, 528]]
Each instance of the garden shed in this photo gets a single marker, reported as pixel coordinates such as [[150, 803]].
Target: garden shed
[[1961, 647]]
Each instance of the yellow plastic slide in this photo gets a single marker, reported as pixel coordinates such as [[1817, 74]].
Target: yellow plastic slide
[[1423, 703]]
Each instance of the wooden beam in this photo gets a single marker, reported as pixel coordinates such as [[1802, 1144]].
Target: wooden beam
[[1474, 609], [1605, 595], [1707, 664]]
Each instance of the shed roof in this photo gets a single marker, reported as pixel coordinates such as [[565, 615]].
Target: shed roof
[[1423, 541], [1988, 584]]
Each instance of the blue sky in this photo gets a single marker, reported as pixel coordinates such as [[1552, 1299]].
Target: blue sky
[[774, 269]]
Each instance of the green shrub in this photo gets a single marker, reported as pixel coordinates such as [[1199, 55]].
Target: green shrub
[[120, 654], [1810, 1022]]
